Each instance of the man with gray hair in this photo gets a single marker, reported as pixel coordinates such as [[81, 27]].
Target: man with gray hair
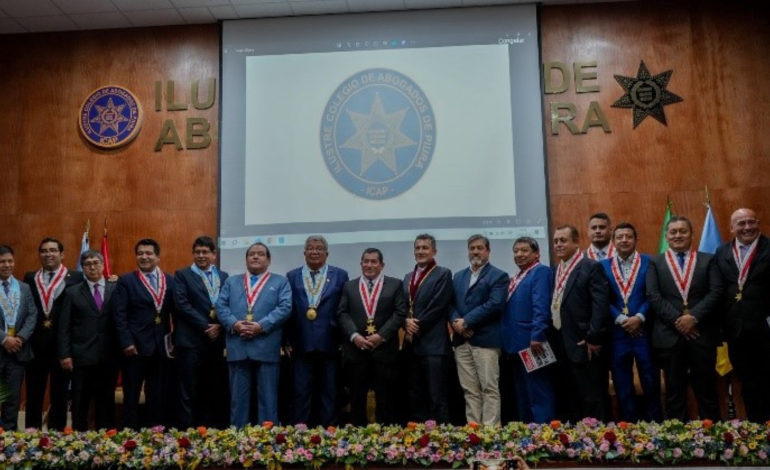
[[88, 344], [311, 335]]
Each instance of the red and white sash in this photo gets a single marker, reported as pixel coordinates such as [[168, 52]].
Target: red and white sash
[[591, 251], [47, 293], [518, 278], [682, 276], [744, 264], [626, 286], [370, 299], [252, 292], [160, 293]]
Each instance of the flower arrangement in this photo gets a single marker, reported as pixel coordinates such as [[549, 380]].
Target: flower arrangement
[[671, 442]]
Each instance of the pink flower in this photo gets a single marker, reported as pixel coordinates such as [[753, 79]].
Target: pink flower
[[743, 450], [699, 453], [159, 428], [728, 453], [605, 447], [359, 448], [677, 453], [430, 425], [649, 446], [571, 453], [762, 454]]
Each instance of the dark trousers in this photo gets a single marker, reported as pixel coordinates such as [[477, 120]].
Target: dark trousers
[[534, 391], [626, 351], [12, 375], [690, 363], [96, 382], [150, 371], [751, 361], [38, 371], [591, 381], [315, 388], [367, 372], [428, 388], [204, 391]]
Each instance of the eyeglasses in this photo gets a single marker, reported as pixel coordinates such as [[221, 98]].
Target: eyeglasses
[[92, 264]]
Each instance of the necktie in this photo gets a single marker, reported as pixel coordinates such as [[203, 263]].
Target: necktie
[[98, 297], [254, 278], [680, 255], [744, 249], [153, 281], [7, 288], [208, 275], [50, 278], [600, 254], [371, 284]]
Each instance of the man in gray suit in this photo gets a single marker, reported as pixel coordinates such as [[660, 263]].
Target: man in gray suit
[[88, 344], [428, 289], [18, 324], [684, 288]]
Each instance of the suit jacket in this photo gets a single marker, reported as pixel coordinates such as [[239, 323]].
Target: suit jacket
[[271, 310], [431, 307], [44, 340], [746, 318], [527, 315], [637, 301], [389, 316], [321, 334], [585, 309], [25, 326], [480, 305], [193, 310], [86, 333], [134, 312], [702, 300]]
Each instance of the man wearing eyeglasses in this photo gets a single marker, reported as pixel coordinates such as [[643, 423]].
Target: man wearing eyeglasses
[[88, 344], [744, 264]]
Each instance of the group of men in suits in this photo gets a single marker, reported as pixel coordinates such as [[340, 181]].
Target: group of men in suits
[[604, 309]]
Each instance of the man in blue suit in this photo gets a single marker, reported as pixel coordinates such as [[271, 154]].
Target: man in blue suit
[[631, 333], [312, 336], [252, 309], [200, 341], [479, 299], [143, 303], [525, 323]]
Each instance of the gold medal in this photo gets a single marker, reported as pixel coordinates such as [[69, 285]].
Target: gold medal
[[47, 323], [157, 319], [739, 295], [686, 311], [312, 314], [625, 310], [249, 316], [556, 305], [370, 329], [411, 312], [213, 313], [11, 331]]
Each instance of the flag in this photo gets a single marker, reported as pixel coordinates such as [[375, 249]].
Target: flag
[[663, 243], [709, 242], [106, 252], [84, 245]]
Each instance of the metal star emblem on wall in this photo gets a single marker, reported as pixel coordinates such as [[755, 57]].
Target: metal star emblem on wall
[[646, 94]]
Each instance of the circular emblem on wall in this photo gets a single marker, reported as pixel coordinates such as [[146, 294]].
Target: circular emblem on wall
[[110, 116], [378, 133]]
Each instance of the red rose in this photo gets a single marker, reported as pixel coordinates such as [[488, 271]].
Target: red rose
[[623, 425], [610, 437], [315, 439], [424, 440], [564, 439], [44, 442], [728, 438], [129, 445], [280, 438], [473, 439], [183, 442]]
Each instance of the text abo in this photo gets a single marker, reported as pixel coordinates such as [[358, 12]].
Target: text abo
[[565, 112], [197, 129]]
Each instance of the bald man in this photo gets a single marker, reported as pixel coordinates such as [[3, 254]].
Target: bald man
[[744, 265]]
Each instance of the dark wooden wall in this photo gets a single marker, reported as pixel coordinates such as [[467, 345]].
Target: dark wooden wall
[[53, 181], [718, 52]]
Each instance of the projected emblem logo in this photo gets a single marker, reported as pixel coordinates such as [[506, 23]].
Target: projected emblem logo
[[378, 134], [110, 116]]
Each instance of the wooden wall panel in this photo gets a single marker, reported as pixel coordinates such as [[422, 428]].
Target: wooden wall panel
[[714, 137], [53, 180]]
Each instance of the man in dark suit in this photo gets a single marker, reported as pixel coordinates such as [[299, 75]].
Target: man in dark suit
[[88, 344], [525, 324], [580, 305], [312, 337], [600, 233], [48, 285], [428, 289], [744, 265], [199, 340], [144, 301], [684, 289], [479, 300], [18, 325], [631, 340], [372, 309]]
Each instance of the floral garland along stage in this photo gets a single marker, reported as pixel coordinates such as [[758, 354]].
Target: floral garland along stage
[[671, 442]]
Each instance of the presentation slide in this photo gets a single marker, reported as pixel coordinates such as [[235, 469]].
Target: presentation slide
[[370, 129]]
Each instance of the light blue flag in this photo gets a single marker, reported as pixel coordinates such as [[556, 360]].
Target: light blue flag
[[710, 239], [84, 246]]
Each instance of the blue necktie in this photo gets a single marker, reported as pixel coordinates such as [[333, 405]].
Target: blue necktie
[[153, 281], [254, 278], [600, 254], [208, 275], [680, 255], [744, 249], [7, 288]]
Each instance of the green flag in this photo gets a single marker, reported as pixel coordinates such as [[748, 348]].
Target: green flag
[[663, 243]]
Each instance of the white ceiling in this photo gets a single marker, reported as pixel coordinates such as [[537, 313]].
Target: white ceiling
[[34, 16]]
